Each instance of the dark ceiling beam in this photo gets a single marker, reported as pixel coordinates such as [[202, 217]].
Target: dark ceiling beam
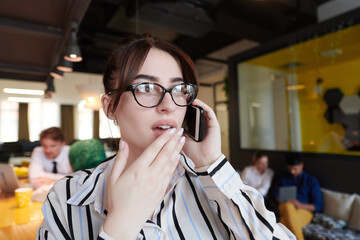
[[199, 48], [22, 69], [32, 28], [239, 28], [306, 6], [21, 77], [108, 35], [215, 60]]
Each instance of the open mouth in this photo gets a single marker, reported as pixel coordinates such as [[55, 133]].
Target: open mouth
[[162, 126]]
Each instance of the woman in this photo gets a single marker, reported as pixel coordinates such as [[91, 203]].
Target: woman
[[258, 175], [159, 185]]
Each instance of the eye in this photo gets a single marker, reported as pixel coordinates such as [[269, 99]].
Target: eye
[[146, 88], [180, 90]]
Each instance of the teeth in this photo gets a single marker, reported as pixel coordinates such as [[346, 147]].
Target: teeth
[[164, 127]]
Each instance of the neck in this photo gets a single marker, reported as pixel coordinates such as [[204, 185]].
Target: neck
[[134, 154]]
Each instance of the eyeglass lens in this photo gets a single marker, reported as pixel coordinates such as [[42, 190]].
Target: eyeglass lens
[[150, 94]]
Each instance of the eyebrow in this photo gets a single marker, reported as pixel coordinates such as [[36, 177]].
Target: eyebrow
[[154, 79]]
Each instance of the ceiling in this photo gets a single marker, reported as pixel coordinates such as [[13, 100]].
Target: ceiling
[[35, 32]]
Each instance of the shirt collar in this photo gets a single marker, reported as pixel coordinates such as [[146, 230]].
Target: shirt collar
[[93, 189]]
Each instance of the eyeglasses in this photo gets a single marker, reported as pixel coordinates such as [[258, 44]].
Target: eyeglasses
[[150, 95]]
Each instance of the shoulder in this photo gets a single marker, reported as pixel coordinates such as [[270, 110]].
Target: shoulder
[[76, 180], [66, 148], [84, 184], [270, 171], [37, 153], [311, 178], [249, 168], [37, 149]]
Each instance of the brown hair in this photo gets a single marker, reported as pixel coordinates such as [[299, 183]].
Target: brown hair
[[53, 133], [257, 156], [127, 59]]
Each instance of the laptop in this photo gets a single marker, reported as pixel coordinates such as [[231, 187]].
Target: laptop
[[286, 193], [8, 179]]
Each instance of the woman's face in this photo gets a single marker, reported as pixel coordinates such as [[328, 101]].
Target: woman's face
[[262, 163], [140, 126]]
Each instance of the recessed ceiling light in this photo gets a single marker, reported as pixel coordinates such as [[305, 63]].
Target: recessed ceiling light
[[295, 87], [23, 91], [331, 52]]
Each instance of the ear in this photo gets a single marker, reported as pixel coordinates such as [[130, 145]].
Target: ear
[[106, 105]]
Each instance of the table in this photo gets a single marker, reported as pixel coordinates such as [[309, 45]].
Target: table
[[18, 223]]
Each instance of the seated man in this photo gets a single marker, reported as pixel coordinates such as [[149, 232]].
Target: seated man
[[296, 213], [258, 175], [50, 161]]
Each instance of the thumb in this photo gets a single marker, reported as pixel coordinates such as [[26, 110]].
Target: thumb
[[119, 161]]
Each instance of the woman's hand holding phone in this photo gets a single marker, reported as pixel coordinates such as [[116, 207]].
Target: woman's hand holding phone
[[206, 152], [132, 194]]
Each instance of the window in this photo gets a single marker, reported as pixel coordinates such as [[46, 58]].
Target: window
[[41, 116], [9, 121], [301, 97], [84, 123], [107, 127]]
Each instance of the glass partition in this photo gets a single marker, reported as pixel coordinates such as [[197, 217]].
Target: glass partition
[[303, 97]]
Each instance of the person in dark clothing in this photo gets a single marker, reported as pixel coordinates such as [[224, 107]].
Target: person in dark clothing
[[296, 213]]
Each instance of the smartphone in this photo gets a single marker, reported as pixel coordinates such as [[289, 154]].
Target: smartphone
[[194, 125]]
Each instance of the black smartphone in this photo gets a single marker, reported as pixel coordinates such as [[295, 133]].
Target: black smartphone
[[194, 125]]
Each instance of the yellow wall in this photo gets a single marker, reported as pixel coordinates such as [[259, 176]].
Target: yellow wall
[[317, 133]]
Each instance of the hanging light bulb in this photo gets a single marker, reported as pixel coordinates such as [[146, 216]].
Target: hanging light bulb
[[65, 65], [57, 73], [50, 84], [72, 49]]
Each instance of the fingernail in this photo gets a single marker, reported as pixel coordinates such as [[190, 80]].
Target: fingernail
[[171, 132], [121, 144], [178, 157], [180, 131], [182, 140]]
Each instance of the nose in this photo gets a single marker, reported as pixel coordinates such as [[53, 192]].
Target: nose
[[167, 104]]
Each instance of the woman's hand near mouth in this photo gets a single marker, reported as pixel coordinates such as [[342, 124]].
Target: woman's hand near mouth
[[137, 190]]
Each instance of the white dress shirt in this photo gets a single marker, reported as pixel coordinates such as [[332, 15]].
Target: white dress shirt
[[213, 204], [40, 166], [253, 178]]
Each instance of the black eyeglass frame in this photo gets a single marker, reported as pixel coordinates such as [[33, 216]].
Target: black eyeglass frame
[[165, 90]]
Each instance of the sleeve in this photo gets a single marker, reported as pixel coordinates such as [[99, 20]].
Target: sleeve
[[316, 195], [265, 185], [239, 206], [36, 168]]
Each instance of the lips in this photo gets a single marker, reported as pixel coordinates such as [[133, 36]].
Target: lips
[[162, 126]]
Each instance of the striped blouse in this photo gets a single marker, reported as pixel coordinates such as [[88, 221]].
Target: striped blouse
[[209, 204]]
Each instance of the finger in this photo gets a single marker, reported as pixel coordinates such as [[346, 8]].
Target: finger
[[173, 160], [170, 151], [119, 162], [150, 153]]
